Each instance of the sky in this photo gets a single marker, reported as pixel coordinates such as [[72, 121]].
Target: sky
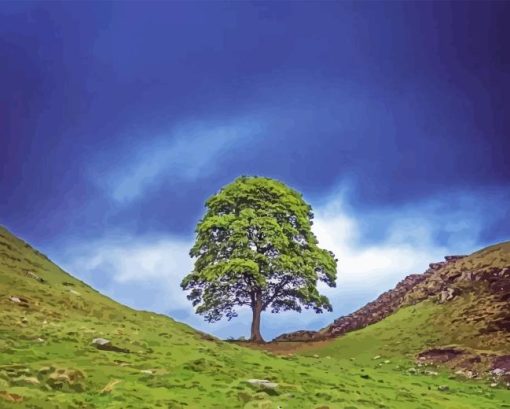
[[119, 119]]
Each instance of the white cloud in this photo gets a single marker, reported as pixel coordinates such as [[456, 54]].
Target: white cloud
[[187, 153], [144, 273]]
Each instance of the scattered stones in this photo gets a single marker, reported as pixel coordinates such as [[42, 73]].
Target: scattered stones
[[465, 373]]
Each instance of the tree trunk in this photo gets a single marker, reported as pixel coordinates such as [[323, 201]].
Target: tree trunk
[[255, 323]]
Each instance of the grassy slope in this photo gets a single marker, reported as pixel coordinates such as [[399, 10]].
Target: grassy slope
[[188, 370]]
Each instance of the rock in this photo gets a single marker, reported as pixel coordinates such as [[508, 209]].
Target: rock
[[31, 274], [431, 373], [443, 388], [498, 372], [437, 266], [494, 385], [297, 336], [106, 345], [23, 302], [46, 370], [316, 356], [74, 292], [146, 371], [263, 383], [101, 341], [412, 370], [447, 295], [466, 276], [376, 357], [387, 361], [25, 381]]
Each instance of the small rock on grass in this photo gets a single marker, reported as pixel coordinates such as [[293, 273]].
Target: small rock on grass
[[443, 388], [101, 341], [264, 383]]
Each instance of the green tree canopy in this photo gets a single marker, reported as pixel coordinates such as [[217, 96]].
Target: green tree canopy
[[255, 247]]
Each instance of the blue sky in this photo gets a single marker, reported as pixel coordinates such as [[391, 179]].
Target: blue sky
[[118, 120]]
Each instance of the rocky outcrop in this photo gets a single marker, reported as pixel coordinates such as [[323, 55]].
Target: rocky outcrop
[[442, 282]]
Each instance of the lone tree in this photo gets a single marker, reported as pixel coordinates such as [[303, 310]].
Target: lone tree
[[255, 248]]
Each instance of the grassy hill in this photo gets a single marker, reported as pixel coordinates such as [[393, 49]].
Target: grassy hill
[[48, 321], [469, 297]]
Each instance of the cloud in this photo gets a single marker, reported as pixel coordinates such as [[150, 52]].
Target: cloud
[[185, 154], [145, 272], [142, 272]]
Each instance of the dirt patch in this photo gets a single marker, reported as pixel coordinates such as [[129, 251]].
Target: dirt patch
[[439, 355], [283, 348]]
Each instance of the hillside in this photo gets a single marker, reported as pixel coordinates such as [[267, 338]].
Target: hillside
[[475, 292], [64, 345], [464, 320]]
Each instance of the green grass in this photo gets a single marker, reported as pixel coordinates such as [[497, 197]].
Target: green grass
[[191, 370]]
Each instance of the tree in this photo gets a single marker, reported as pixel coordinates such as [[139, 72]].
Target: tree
[[255, 247]]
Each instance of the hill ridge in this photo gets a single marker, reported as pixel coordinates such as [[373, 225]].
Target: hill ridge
[[442, 282]]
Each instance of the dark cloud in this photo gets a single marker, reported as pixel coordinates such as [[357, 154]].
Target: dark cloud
[[403, 100]]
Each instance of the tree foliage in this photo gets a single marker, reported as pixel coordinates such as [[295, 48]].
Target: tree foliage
[[255, 247]]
